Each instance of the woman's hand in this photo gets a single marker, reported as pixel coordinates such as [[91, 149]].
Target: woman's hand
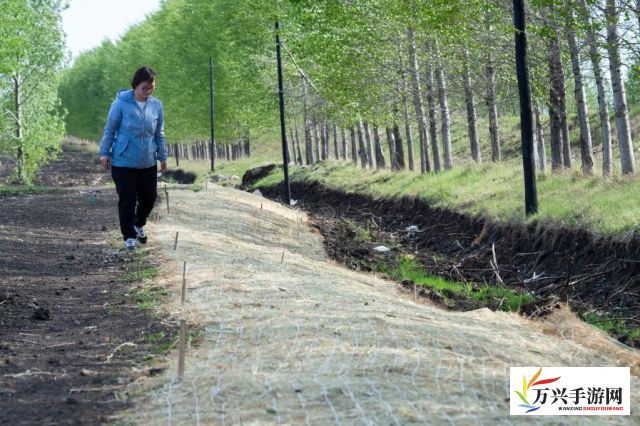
[[106, 163], [163, 166]]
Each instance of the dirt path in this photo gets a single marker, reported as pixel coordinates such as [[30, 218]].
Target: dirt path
[[290, 337], [64, 304]]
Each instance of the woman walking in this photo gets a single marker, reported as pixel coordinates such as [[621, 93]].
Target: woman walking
[[132, 143]]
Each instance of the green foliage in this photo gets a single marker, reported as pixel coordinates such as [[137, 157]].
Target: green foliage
[[31, 55], [633, 84]]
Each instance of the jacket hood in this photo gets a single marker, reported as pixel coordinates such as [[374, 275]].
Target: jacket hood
[[125, 95]]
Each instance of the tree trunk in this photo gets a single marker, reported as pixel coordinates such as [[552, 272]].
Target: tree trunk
[[367, 135], [298, 152], [317, 141], [380, 163], [344, 144], [603, 108], [627, 158], [335, 142], [557, 80], [308, 143], [433, 121], [444, 114], [586, 147], [362, 150], [392, 150], [409, 136], [291, 153], [417, 105], [564, 122], [541, 157], [471, 110], [354, 149], [21, 166], [324, 138], [399, 151], [555, 89], [492, 107]]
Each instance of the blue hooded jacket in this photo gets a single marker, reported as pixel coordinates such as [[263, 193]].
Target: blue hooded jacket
[[134, 137]]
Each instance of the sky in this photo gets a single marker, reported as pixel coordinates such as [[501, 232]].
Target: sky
[[88, 22]]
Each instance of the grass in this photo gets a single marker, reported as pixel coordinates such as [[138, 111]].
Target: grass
[[149, 297], [407, 268], [494, 191], [612, 325], [133, 275], [15, 190]]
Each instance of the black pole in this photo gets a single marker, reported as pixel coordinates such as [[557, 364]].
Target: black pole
[[283, 132], [526, 127], [212, 142]]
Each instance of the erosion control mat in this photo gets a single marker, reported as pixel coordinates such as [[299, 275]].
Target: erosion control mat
[[289, 337]]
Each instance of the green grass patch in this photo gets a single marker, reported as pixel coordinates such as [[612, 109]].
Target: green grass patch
[[149, 297], [495, 191], [137, 275], [612, 325], [362, 235], [407, 268], [15, 190], [273, 178]]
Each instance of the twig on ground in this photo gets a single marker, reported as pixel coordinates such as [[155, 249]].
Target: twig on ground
[[494, 264], [125, 344]]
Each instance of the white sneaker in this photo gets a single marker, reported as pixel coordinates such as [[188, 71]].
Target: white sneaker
[[130, 243], [142, 236]]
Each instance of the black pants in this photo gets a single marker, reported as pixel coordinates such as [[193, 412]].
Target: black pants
[[137, 195]]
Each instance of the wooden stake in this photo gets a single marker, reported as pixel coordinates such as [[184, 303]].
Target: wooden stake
[[415, 292], [260, 206], [184, 282], [282, 259], [183, 338], [167, 198], [175, 243]]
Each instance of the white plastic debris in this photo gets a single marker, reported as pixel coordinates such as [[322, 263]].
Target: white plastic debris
[[382, 249], [257, 192], [411, 228], [534, 277], [293, 202]]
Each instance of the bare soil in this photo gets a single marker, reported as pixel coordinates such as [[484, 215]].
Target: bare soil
[[66, 306], [593, 274]]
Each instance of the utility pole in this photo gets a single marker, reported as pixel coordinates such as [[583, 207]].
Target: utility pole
[[526, 126], [212, 145], [283, 132]]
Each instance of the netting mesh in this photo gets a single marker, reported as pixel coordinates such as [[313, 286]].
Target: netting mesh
[[291, 338]]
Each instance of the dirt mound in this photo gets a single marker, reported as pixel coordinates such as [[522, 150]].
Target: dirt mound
[[251, 176], [179, 176], [595, 275]]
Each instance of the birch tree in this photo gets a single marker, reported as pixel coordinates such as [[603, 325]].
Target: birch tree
[[31, 55], [627, 158]]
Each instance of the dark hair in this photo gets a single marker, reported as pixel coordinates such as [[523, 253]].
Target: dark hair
[[141, 75]]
